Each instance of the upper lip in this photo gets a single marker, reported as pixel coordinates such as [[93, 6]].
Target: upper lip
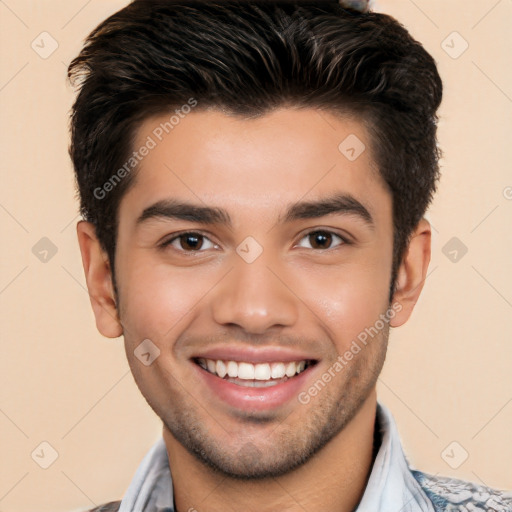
[[254, 354]]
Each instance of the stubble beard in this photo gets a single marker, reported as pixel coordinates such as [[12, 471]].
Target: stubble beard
[[288, 446]]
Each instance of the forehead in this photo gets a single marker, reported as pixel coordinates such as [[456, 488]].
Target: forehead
[[248, 163]]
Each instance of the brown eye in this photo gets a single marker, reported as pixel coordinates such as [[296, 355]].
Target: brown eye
[[189, 242], [322, 239]]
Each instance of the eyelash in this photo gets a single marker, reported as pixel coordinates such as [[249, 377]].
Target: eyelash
[[175, 237]]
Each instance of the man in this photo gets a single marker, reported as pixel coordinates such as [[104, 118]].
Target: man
[[253, 178]]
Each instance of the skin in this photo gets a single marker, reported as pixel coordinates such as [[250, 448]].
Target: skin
[[294, 294]]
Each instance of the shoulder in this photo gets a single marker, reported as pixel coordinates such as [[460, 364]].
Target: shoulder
[[111, 506], [452, 495]]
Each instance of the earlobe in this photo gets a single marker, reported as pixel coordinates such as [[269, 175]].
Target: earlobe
[[412, 272], [98, 276]]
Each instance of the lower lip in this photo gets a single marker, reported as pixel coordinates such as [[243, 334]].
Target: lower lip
[[248, 398]]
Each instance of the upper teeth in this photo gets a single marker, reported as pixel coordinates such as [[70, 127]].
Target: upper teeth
[[249, 371]]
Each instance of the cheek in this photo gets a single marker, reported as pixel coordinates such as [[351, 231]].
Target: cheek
[[160, 301], [347, 299], [156, 298]]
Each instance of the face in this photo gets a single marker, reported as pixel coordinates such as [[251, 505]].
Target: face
[[275, 261]]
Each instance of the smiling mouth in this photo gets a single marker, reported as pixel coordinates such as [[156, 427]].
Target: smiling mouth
[[257, 375]]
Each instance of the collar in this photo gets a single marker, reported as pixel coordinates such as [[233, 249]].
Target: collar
[[391, 485]]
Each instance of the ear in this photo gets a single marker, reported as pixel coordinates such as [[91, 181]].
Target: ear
[[412, 272], [98, 276]]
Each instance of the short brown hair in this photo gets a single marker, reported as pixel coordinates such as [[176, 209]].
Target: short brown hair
[[248, 58]]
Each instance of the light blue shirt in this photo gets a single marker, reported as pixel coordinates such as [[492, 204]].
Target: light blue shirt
[[391, 486]]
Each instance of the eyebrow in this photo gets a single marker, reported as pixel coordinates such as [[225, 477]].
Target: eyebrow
[[338, 204]]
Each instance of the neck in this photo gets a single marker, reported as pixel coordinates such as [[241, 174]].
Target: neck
[[334, 479]]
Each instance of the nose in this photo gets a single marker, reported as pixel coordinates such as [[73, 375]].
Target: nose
[[255, 297]]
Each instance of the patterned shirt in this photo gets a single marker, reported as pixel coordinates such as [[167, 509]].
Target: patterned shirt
[[393, 486]]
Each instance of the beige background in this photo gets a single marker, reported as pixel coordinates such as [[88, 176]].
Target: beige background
[[448, 373]]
